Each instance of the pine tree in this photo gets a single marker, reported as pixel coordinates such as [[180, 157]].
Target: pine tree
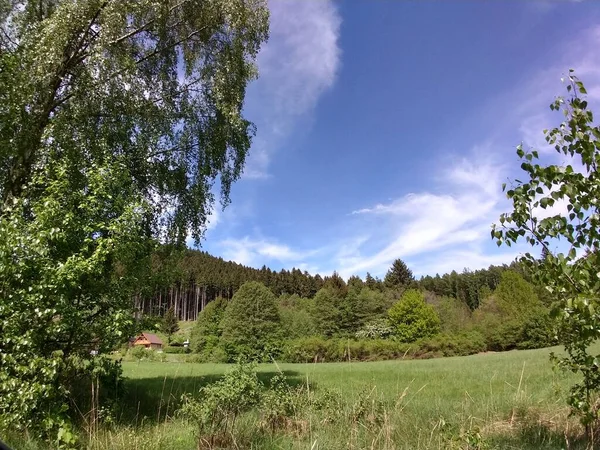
[[399, 275]]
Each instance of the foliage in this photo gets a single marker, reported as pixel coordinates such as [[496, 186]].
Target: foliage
[[325, 312], [572, 277], [377, 329], [399, 275], [454, 315], [318, 349], [515, 297], [296, 320], [116, 119], [251, 324], [359, 305], [219, 404], [459, 344], [412, 319], [206, 333], [170, 324]]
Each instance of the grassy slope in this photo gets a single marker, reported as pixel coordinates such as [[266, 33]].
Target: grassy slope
[[461, 395]]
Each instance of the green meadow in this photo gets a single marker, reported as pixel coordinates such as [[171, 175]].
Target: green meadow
[[495, 400]]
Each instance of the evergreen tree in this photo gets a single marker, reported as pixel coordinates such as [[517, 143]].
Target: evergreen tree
[[207, 329], [399, 275], [370, 281], [336, 284]]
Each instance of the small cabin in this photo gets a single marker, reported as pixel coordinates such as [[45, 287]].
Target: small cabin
[[148, 340]]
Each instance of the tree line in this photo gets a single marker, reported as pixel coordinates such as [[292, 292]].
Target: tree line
[[188, 280]]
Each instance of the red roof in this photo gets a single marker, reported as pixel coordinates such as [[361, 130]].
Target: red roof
[[152, 338]]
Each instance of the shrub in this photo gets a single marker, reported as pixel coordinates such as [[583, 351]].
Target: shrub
[[317, 349], [539, 331], [377, 329], [460, 344], [454, 314], [251, 324], [176, 350], [139, 352], [413, 319], [296, 322], [302, 350], [219, 404]]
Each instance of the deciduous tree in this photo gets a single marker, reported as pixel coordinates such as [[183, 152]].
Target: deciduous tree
[[571, 276], [116, 119]]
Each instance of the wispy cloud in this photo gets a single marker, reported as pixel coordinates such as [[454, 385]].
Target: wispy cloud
[[446, 226], [253, 252], [457, 213], [298, 64]]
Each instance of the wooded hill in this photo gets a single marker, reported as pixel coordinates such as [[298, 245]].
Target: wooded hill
[[188, 280]]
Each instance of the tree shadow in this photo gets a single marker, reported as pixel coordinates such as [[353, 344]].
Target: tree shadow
[[153, 400]]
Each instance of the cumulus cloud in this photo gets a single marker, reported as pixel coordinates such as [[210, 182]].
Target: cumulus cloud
[[298, 64]]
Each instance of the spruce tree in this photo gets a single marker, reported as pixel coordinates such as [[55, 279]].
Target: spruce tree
[[399, 275]]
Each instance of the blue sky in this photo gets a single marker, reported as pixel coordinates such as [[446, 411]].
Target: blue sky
[[386, 129]]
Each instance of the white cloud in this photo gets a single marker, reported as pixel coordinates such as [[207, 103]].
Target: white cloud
[[256, 252], [298, 64], [459, 213], [213, 218], [446, 226]]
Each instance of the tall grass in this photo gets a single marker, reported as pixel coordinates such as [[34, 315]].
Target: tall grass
[[495, 400]]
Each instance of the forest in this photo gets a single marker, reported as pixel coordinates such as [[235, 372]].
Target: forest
[[303, 318], [122, 126]]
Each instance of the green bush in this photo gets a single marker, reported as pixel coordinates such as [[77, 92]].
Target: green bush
[[413, 319], [218, 405], [138, 352], [318, 349], [539, 331], [296, 322], [376, 329], [251, 324], [176, 350], [460, 344]]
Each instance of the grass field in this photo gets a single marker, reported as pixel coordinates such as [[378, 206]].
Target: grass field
[[495, 400], [500, 400]]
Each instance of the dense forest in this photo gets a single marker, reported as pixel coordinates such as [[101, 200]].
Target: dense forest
[[302, 317], [187, 281]]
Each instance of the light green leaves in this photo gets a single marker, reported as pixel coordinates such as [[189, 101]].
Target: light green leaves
[[572, 276]]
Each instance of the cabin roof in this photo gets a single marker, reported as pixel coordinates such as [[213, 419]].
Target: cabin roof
[[152, 338]]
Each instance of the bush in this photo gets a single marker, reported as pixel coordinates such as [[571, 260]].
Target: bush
[[317, 349], [176, 350], [539, 331], [219, 404], [377, 329], [413, 319], [139, 353], [251, 324], [454, 315], [296, 322], [460, 344]]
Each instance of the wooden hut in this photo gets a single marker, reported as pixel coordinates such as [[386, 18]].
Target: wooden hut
[[148, 340]]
